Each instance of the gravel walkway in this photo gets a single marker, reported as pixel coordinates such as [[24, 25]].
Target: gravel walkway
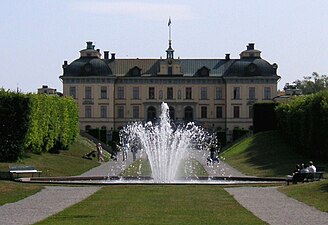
[[275, 208], [43, 204]]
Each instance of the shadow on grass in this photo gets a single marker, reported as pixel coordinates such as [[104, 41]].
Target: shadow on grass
[[324, 187], [268, 151]]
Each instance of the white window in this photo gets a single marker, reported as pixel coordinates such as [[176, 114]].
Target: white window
[[135, 93], [87, 111], [120, 111], [218, 93], [251, 93], [103, 111], [236, 93], [87, 93], [267, 93], [203, 93]]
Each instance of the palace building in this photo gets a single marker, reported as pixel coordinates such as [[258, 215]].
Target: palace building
[[216, 93]]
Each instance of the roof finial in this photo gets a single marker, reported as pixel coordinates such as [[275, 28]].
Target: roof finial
[[169, 51]]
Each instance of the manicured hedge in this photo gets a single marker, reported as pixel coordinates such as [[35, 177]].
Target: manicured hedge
[[264, 117], [304, 122], [35, 123]]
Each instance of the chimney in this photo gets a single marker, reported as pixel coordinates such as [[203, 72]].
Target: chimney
[[250, 46], [113, 56], [106, 54], [65, 64], [227, 56], [89, 45]]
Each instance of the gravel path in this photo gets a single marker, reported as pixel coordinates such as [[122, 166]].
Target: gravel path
[[275, 208], [43, 204]]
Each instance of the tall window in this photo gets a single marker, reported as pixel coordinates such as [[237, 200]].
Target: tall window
[[103, 92], [267, 93], [251, 93], [169, 70], [135, 112], [236, 93], [160, 94], [188, 93], [135, 93], [87, 93], [120, 92], [219, 112], [203, 112], [218, 93], [169, 93], [87, 111], [236, 112], [120, 111], [179, 94], [72, 92], [151, 93], [203, 93], [103, 111]]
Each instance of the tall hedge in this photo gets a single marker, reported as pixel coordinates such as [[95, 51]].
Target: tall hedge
[[13, 124], [264, 117], [35, 123], [304, 122]]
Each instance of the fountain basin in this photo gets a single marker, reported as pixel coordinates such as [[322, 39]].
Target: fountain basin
[[117, 180]]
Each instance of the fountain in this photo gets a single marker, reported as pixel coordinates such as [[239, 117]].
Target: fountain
[[166, 144]]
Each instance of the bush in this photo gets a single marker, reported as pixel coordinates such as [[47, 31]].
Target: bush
[[264, 117], [304, 122], [35, 123]]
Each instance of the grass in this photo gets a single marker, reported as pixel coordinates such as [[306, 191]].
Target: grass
[[314, 194], [188, 168], [12, 192], [157, 204], [65, 163], [264, 154]]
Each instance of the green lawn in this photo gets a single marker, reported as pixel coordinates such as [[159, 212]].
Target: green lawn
[[313, 194], [157, 204], [65, 163], [12, 191], [265, 154]]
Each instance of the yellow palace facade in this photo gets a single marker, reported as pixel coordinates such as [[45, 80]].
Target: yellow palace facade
[[216, 93]]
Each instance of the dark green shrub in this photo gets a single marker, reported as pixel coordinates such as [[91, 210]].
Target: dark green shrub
[[264, 117], [35, 123]]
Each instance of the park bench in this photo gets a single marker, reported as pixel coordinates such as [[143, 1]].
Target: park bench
[[18, 170], [309, 177]]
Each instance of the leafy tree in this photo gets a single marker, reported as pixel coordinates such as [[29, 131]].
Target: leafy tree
[[312, 84]]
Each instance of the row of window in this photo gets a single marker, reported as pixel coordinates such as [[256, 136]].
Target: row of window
[[170, 94], [252, 93], [136, 115]]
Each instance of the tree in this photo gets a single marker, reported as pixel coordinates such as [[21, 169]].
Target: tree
[[312, 84]]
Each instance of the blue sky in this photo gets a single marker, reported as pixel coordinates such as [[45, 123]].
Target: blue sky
[[36, 36]]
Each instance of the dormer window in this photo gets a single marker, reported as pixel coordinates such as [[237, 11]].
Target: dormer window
[[135, 72], [203, 72]]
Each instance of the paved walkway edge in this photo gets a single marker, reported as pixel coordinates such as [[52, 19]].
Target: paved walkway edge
[[275, 208], [47, 202]]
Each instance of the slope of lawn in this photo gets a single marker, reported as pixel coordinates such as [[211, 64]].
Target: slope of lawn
[[12, 191], [157, 204], [265, 154], [313, 194], [64, 163]]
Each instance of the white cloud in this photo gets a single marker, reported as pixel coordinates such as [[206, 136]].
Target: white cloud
[[155, 11]]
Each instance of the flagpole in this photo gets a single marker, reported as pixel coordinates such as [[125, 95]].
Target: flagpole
[[169, 23]]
